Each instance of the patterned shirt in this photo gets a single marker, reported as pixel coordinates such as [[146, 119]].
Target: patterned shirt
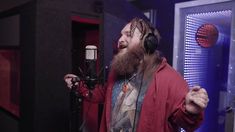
[[125, 113]]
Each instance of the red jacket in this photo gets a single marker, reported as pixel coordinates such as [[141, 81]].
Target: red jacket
[[163, 105]]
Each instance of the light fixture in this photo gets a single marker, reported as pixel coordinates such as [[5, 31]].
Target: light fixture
[[207, 35]]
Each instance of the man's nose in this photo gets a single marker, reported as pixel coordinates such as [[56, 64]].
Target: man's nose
[[120, 44]]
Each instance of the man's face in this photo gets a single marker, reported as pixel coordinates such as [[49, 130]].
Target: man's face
[[130, 52], [126, 41]]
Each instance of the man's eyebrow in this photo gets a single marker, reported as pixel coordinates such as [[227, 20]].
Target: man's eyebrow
[[127, 31]]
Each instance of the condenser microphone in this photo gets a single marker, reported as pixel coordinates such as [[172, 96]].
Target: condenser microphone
[[90, 62]]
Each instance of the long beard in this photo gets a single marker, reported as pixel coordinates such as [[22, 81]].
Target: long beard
[[128, 62]]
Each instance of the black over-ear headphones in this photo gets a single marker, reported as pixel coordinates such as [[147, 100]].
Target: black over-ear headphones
[[150, 43]]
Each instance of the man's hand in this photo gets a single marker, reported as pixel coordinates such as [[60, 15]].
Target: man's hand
[[68, 79], [196, 100]]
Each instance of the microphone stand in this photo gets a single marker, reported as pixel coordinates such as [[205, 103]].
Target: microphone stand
[[77, 122], [75, 107]]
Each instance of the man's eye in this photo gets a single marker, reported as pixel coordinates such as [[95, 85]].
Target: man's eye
[[128, 34]]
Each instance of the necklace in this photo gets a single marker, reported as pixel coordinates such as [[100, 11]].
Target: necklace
[[125, 87]]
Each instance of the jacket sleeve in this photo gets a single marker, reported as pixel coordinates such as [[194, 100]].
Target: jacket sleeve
[[97, 95], [179, 117], [185, 120]]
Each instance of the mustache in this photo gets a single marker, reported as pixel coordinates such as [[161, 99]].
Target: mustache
[[122, 45]]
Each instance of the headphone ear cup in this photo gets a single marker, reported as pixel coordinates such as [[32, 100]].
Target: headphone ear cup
[[150, 43]]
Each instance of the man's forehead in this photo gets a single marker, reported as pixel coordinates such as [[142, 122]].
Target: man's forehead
[[127, 28]]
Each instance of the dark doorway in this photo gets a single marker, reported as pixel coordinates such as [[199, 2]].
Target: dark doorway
[[84, 32]]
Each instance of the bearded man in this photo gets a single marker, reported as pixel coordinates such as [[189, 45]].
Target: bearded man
[[143, 92]]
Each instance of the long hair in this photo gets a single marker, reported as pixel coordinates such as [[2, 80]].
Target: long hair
[[150, 62], [144, 27]]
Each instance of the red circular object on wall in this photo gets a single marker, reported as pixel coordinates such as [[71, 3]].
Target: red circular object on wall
[[207, 35]]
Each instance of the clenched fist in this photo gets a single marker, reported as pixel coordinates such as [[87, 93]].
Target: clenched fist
[[68, 79], [196, 100]]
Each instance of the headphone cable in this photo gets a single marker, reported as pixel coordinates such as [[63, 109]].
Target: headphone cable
[[136, 103]]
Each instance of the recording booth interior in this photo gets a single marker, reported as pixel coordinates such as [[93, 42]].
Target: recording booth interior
[[41, 41]]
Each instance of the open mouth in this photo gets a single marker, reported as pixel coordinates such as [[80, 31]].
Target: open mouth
[[122, 47]]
